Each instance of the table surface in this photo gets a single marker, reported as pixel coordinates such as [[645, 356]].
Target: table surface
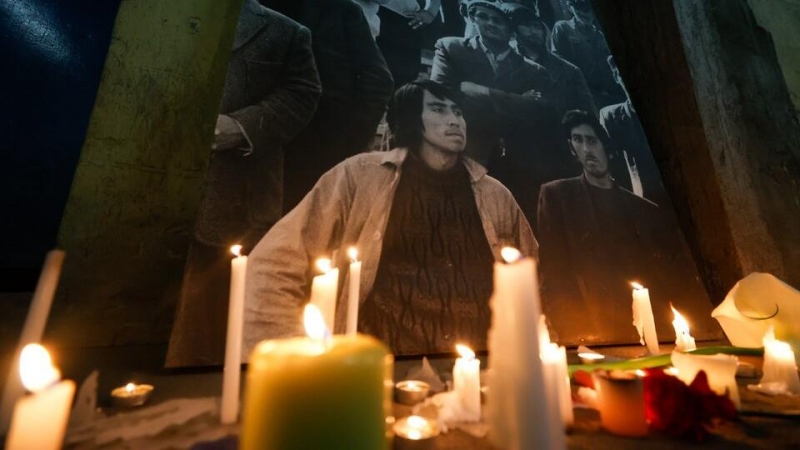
[[761, 430]]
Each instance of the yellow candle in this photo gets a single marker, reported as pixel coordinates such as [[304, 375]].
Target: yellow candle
[[353, 292], [231, 375], [643, 318], [683, 340], [323, 291], [318, 392], [40, 419]]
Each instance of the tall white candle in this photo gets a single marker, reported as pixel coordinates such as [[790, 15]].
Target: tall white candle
[[643, 318], [323, 291], [353, 292], [232, 373], [32, 330], [556, 374], [517, 402], [40, 419], [780, 369], [467, 384], [683, 340]]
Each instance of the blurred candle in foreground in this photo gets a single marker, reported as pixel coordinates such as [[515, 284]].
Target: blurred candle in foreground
[[40, 418], [467, 383], [517, 408], [415, 433], [643, 318], [323, 291], [780, 369], [320, 391], [232, 373], [683, 340], [353, 292], [556, 374]]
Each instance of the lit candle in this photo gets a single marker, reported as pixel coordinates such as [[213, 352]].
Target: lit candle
[[323, 291], [683, 340], [620, 401], [517, 402], [780, 369], [352, 294], [411, 392], [232, 372], [131, 395], [643, 318], [40, 419], [415, 433], [319, 391], [467, 383], [556, 374], [32, 330], [720, 371]]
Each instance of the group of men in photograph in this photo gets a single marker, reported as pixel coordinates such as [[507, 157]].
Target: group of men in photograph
[[515, 132]]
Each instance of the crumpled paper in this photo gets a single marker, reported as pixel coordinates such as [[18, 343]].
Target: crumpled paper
[[428, 374], [756, 302]]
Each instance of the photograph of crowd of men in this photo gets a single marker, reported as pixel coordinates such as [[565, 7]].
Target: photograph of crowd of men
[[546, 114]]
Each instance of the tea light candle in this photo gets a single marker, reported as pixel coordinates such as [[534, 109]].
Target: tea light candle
[[643, 318], [620, 400], [683, 340], [40, 419], [720, 371], [780, 369], [411, 392], [467, 383], [131, 395], [415, 433], [323, 291], [318, 391], [353, 292]]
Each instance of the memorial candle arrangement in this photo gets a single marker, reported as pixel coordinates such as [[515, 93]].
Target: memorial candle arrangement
[[517, 404], [40, 418], [323, 291], [643, 318], [683, 340], [320, 391], [231, 375], [353, 292]]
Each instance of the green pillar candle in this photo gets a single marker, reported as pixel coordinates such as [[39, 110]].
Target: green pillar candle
[[305, 394]]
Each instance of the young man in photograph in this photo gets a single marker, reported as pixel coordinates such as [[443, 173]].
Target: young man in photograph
[[428, 224]]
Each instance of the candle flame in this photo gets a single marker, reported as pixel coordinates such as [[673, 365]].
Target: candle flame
[[680, 324], [640, 372], [780, 349], [324, 264], [637, 286], [417, 421], [510, 254], [465, 352], [671, 371], [36, 368], [314, 323], [352, 252], [236, 250], [130, 387]]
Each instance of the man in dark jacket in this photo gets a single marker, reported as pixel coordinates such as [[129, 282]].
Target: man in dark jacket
[[271, 91], [356, 86], [596, 238]]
